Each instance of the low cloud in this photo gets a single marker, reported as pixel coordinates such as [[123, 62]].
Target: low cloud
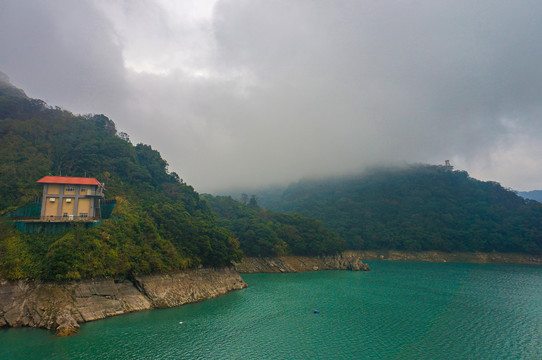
[[253, 93]]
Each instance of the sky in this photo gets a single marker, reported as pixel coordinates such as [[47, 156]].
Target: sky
[[251, 93]]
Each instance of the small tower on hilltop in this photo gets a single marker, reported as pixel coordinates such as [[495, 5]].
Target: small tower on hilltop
[[447, 165]]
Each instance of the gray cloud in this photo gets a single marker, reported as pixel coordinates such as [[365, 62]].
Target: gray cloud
[[258, 92], [64, 52]]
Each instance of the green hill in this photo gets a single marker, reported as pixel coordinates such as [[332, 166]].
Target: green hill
[[267, 233], [418, 208], [159, 223]]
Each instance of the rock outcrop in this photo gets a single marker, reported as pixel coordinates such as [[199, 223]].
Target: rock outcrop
[[62, 307], [170, 290], [285, 264]]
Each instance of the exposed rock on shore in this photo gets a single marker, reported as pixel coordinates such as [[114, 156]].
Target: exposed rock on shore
[[62, 307], [462, 257], [345, 261]]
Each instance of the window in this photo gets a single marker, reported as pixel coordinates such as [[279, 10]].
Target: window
[[83, 214], [69, 188], [83, 190], [65, 215]]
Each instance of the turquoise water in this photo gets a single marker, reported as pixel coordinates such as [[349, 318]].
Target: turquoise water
[[399, 310]]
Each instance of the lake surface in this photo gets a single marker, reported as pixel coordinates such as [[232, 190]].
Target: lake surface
[[399, 310]]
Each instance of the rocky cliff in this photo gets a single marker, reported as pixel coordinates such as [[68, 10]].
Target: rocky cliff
[[62, 307], [344, 261]]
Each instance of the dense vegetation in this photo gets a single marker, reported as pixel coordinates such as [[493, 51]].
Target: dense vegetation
[[267, 233], [159, 223], [417, 208]]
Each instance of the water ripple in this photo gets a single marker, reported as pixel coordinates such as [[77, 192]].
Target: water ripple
[[397, 311]]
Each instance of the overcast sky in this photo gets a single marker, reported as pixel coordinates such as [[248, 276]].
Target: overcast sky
[[242, 93]]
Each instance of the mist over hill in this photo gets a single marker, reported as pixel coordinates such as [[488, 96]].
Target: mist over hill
[[418, 207], [159, 224]]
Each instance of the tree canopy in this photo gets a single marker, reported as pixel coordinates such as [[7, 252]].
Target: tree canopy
[[266, 233], [159, 224], [419, 207]]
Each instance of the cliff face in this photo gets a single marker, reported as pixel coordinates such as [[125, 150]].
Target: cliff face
[[176, 289], [62, 307], [344, 261]]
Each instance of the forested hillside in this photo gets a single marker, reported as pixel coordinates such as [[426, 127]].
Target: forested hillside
[[159, 223], [267, 233], [418, 208]]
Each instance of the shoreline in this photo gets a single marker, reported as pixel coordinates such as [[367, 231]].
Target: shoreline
[[62, 307], [440, 256], [291, 263]]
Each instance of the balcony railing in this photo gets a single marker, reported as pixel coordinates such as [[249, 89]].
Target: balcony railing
[[68, 218], [98, 193], [54, 218]]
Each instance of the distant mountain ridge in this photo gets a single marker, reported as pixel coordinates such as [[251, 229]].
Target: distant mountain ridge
[[416, 208], [533, 195]]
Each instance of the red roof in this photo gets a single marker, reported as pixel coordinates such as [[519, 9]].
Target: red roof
[[68, 180]]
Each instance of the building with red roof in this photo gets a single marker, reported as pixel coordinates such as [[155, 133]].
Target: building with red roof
[[68, 198]]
